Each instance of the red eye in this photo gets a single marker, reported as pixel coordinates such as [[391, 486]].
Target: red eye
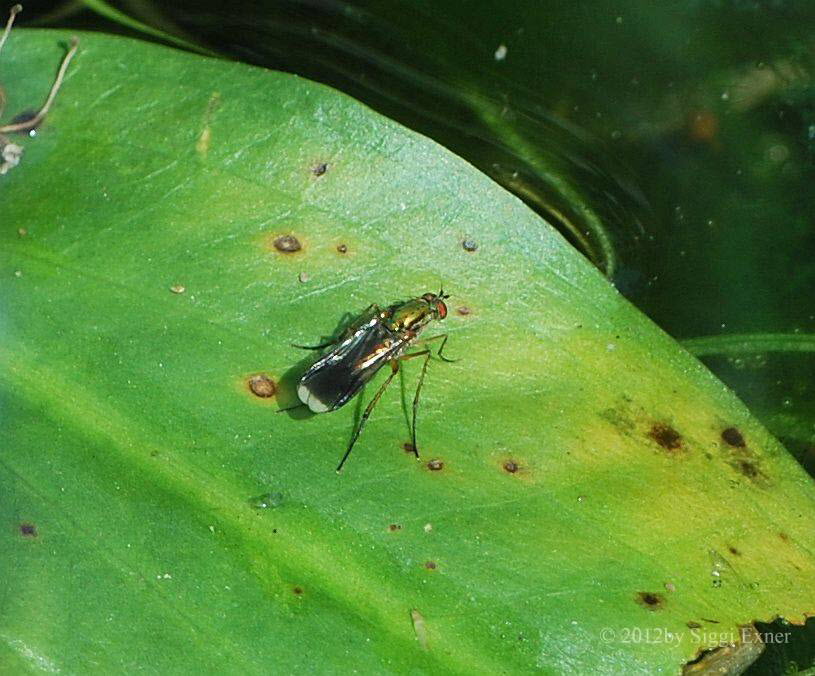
[[441, 308]]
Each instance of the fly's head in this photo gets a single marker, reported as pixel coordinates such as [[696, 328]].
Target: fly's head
[[436, 303]]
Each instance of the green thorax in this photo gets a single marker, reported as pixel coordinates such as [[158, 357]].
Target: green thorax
[[411, 315]]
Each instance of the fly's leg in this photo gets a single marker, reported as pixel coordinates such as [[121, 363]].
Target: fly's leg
[[426, 354], [416, 403], [444, 337], [367, 413], [369, 312], [321, 346]]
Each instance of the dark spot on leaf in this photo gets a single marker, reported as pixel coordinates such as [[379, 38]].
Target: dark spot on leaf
[[733, 550], [709, 620], [666, 436], [22, 118], [650, 600], [511, 466], [430, 565], [28, 530], [784, 537], [274, 530], [407, 447], [469, 245], [693, 625], [747, 468], [319, 169], [435, 465], [297, 590], [154, 453], [733, 437], [463, 310], [262, 386], [342, 248], [394, 527], [287, 244]]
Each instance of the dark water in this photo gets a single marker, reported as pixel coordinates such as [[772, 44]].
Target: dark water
[[673, 143]]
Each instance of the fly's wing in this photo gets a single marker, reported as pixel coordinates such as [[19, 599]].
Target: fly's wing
[[339, 374]]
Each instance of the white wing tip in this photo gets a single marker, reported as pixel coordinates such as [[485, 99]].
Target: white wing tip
[[308, 398]]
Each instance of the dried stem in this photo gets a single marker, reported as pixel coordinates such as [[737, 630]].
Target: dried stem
[[34, 121], [13, 12]]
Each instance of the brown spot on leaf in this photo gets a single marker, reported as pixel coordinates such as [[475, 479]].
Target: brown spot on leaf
[[464, 310], [666, 436], [733, 550], [693, 625], [262, 386], [733, 437], [703, 125], [469, 245], [430, 565], [650, 600], [394, 527], [511, 466], [297, 590], [287, 244], [342, 248], [407, 447], [435, 465], [319, 169], [28, 530], [784, 537]]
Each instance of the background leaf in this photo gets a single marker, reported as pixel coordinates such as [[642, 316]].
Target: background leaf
[[644, 496]]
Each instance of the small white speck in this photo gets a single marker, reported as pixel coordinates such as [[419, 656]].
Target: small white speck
[[725, 96], [18, 273], [428, 527], [619, 19], [501, 52], [303, 277], [611, 346], [212, 529]]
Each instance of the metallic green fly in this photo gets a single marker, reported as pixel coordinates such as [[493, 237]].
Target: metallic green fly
[[377, 337]]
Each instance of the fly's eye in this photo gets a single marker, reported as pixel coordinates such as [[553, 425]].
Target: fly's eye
[[429, 297], [441, 308]]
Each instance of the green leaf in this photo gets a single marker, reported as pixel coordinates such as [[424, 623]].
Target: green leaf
[[589, 498]]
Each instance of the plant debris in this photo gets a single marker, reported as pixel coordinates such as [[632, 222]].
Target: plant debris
[[11, 153]]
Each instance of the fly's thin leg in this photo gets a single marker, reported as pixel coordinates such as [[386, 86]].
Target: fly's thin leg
[[364, 317], [290, 408], [416, 403], [322, 346], [367, 413], [439, 354]]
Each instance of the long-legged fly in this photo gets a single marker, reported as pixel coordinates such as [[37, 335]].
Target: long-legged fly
[[377, 337]]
